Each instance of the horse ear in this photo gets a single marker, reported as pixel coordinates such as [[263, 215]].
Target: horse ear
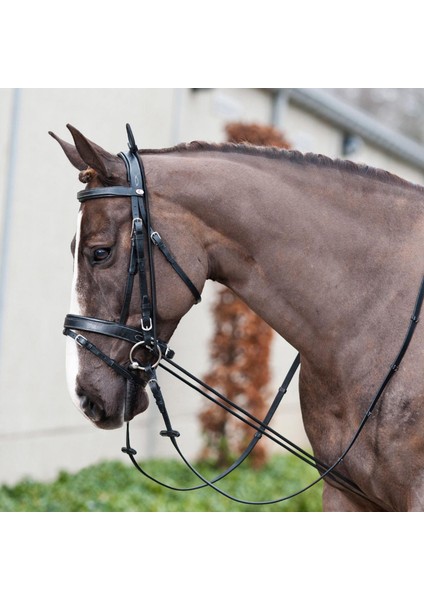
[[94, 156], [71, 152]]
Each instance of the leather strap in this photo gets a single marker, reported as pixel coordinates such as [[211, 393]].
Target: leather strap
[[111, 329], [157, 240], [105, 192], [84, 343]]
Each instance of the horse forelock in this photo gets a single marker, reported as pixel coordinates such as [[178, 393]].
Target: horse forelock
[[293, 156]]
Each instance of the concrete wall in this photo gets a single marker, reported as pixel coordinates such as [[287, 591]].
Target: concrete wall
[[40, 430]]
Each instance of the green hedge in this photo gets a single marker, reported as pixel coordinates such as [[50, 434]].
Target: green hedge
[[114, 486]]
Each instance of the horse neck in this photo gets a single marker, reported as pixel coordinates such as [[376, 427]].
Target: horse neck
[[317, 252]]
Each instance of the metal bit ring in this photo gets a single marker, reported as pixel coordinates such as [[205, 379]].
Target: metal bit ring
[[136, 365]]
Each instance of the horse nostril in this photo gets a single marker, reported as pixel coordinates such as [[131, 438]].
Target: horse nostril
[[92, 410]]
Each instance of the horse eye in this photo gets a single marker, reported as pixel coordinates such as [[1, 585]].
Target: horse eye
[[100, 254]]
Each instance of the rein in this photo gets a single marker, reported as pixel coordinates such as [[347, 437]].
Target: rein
[[143, 236]]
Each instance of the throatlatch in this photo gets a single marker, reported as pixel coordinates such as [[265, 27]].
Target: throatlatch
[[143, 241]]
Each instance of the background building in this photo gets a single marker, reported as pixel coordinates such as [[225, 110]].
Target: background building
[[40, 430]]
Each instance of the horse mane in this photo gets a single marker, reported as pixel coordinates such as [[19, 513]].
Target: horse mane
[[293, 156]]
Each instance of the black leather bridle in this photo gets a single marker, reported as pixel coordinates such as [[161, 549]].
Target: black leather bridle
[[143, 236], [142, 232]]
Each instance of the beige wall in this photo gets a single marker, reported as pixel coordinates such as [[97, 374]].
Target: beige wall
[[40, 430]]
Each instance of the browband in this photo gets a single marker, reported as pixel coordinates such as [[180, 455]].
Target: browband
[[105, 192]]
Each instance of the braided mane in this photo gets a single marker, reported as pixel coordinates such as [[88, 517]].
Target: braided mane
[[294, 156]]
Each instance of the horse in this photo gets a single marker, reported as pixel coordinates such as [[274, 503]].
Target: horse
[[328, 252]]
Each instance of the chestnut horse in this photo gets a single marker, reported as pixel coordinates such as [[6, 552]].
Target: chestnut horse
[[329, 253]]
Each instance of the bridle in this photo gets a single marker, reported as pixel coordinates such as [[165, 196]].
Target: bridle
[[144, 237], [141, 232]]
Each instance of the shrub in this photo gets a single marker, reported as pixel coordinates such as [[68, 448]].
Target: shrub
[[113, 486]]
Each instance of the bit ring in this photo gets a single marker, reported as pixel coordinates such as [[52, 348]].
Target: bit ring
[[136, 365]]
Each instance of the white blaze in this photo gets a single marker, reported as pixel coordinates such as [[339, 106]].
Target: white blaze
[[72, 358]]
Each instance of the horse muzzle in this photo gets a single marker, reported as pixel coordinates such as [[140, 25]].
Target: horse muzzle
[[124, 406]]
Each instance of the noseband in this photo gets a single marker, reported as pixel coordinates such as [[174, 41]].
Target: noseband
[[142, 235]]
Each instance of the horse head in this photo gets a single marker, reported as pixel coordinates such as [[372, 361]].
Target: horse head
[[103, 251]]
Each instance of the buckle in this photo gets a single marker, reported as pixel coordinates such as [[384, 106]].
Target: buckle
[[155, 237], [167, 352], [149, 327], [137, 222], [81, 340]]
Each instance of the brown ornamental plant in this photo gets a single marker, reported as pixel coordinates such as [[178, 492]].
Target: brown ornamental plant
[[240, 349]]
